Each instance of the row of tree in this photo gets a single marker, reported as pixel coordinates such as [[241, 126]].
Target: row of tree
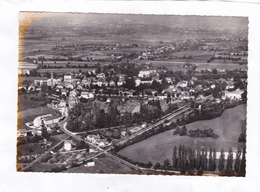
[[190, 160]]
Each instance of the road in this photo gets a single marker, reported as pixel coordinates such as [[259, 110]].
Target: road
[[65, 130]]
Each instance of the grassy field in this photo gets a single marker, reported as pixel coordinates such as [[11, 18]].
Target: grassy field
[[160, 147], [219, 65], [103, 165], [177, 64], [65, 70], [25, 102]]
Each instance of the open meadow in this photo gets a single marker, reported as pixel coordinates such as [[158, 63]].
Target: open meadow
[[102, 165], [160, 147]]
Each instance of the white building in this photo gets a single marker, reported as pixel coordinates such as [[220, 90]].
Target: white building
[[67, 145], [68, 77], [46, 119], [87, 95], [93, 138], [101, 75], [90, 164], [146, 73], [233, 94]]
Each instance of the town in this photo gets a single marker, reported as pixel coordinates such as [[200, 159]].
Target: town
[[83, 112]]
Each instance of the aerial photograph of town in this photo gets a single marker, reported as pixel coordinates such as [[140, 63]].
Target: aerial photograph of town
[[132, 94]]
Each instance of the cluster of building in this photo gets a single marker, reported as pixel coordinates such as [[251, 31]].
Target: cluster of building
[[95, 139]]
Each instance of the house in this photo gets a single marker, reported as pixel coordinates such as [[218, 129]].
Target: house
[[62, 103], [102, 81], [146, 72], [100, 75], [93, 138], [60, 86], [31, 88], [86, 81], [123, 133], [112, 83], [90, 164], [87, 95], [184, 95], [229, 85], [24, 72], [69, 86], [52, 82], [213, 86], [68, 77], [80, 86], [237, 94], [151, 98], [108, 100], [194, 78], [120, 83], [68, 144], [64, 92], [169, 80], [162, 97], [91, 150], [138, 81], [40, 81], [122, 77], [129, 93], [198, 88], [182, 84]]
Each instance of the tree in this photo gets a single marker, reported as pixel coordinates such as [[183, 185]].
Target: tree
[[244, 95], [157, 165], [243, 163], [82, 145], [221, 161], [166, 163], [238, 161], [242, 138], [149, 164], [44, 131], [204, 159], [229, 169], [214, 165], [179, 157], [210, 160], [174, 158], [183, 131], [183, 160], [177, 131], [130, 83]]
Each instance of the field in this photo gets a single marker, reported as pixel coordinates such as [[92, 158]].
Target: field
[[102, 165], [159, 147], [65, 70], [219, 66], [177, 64], [25, 102]]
